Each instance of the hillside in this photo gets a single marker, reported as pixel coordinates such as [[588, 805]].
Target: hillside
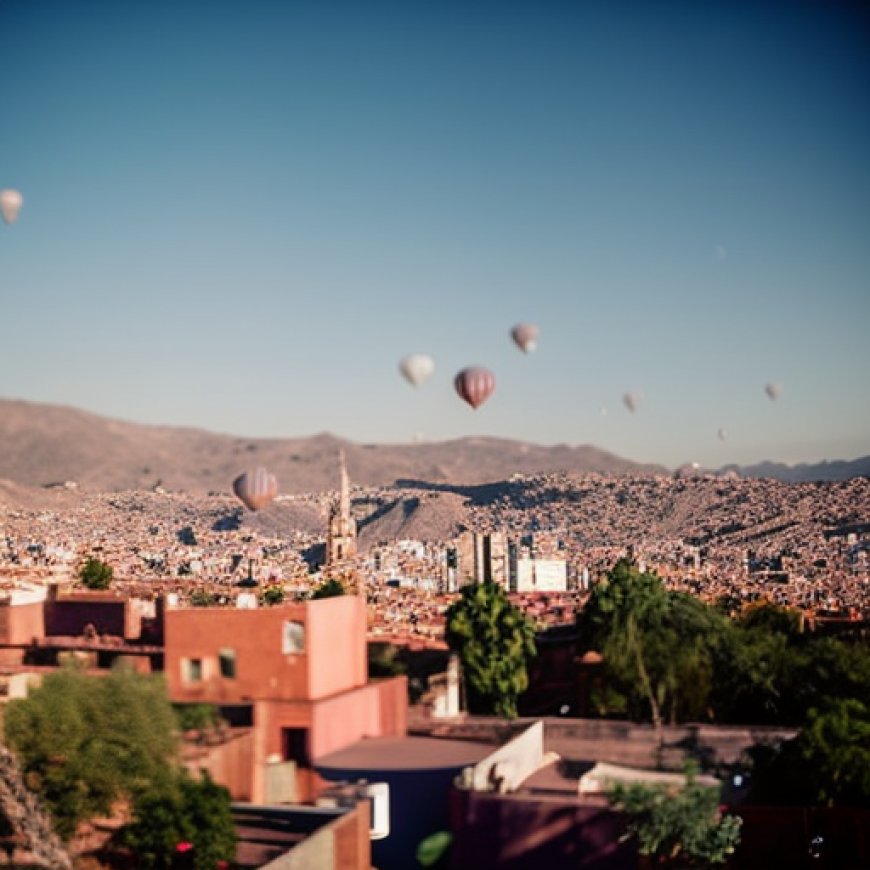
[[48, 444]]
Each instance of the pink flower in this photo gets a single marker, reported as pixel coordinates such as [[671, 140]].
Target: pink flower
[[184, 846]]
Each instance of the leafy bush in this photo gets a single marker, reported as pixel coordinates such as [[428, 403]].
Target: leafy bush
[[827, 764], [328, 589], [95, 574], [196, 717], [683, 827], [179, 815], [85, 742], [202, 598], [273, 595]]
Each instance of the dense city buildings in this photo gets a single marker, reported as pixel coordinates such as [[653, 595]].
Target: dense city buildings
[[546, 538]]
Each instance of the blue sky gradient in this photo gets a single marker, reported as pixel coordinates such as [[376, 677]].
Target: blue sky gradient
[[241, 215]]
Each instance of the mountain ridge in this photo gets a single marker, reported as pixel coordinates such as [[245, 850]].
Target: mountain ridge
[[44, 444]]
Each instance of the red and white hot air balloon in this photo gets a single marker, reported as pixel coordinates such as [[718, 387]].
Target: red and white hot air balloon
[[255, 489], [10, 204], [526, 336], [475, 385]]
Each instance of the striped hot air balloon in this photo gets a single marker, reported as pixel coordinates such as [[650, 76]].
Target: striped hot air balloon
[[475, 385], [256, 488]]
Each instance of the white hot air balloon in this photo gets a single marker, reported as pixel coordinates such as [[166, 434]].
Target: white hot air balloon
[[722, 433], [774, 391], [417, 368], [526, 336], [10, 204], [632, 401]]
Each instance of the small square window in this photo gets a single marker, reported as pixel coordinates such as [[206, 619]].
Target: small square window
[[191, 670], [227, 661]]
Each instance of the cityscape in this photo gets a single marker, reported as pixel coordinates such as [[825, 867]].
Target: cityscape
[[434, 435]]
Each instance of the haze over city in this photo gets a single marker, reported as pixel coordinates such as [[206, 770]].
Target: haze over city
[[241, 217]]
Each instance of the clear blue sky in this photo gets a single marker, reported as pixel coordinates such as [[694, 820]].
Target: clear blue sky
[[241, 215]]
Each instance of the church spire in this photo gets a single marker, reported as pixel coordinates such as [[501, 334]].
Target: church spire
[[341, 538], [344, 499]]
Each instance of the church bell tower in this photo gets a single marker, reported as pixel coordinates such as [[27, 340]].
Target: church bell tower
[[341, 538]]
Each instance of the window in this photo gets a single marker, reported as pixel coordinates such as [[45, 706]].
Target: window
[[293, 639], [227, 662], [191, 670]]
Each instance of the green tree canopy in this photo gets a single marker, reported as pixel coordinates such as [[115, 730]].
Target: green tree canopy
[[773, 617], [678, 828], [328, 589], [495, 642], [85, 742], [657, 645], [827, 764], [95, 574], [671, 656], [273, 595], [180, 812]]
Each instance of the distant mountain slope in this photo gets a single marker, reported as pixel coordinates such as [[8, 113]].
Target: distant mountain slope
[[804, 473], [46, 444]]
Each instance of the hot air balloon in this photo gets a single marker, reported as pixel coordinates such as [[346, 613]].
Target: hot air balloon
[[773, 391], [526, 336], [475, 385], [10, 204], [417, 368], [722, 433], [632, 401], [256, 488]]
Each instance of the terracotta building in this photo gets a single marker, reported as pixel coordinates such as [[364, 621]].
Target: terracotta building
[[295, 676]]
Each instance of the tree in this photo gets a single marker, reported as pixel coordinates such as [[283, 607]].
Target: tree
[[773, 617], [495, 641], [273, 595], [85, 742], [678, 828], [328, 589], [202, 598], [827, 764], [95, 574], [657, 645], [196, 717], [181, 815]]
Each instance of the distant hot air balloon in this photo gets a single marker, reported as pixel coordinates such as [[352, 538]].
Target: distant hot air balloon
[[722, 433], [10, 204], [526, 336], [632, 401], [688, 469], [256, 488], [417, 368], [773, 391], [602, 411], [475, 385]]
